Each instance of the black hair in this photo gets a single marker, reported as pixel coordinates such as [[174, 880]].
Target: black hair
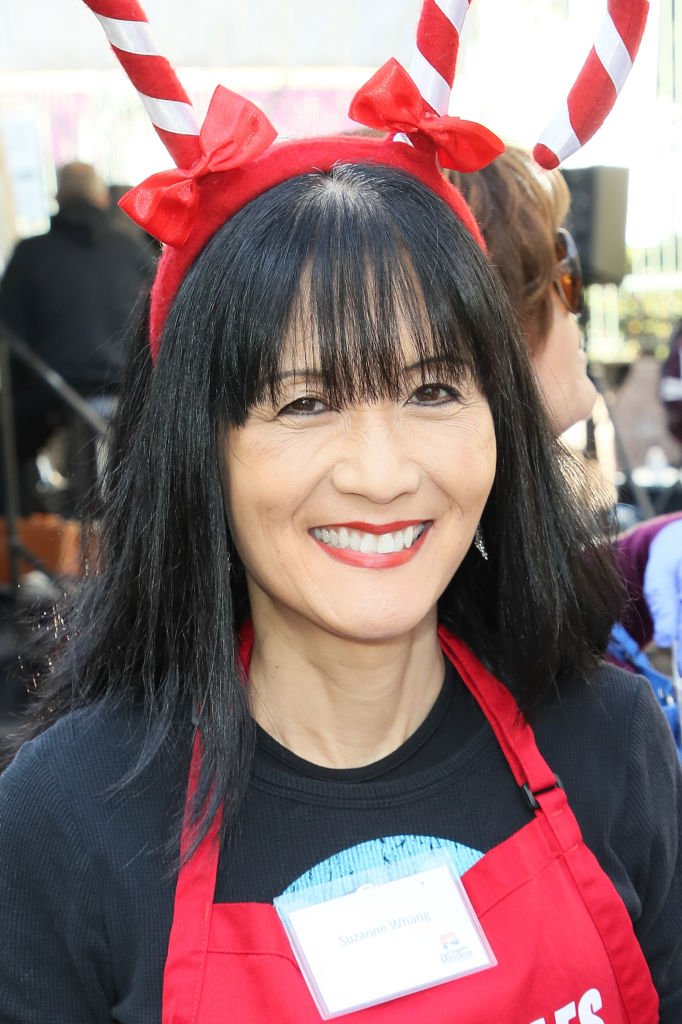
[[339, 257]]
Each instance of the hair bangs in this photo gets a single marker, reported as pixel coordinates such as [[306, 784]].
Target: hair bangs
[[346, 295]]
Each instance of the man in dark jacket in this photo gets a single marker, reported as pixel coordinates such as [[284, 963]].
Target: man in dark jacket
[[69, 294]]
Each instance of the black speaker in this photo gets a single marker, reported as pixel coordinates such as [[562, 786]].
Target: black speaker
[[596, 220]]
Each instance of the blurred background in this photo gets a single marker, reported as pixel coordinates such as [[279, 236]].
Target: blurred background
[[63, 97]]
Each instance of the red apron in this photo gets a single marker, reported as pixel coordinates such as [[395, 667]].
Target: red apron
[[565, 946]]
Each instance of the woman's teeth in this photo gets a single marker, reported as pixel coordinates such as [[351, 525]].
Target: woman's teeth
[[369, 543]]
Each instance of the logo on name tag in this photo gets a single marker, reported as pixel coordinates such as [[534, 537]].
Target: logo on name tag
[[454, 951]]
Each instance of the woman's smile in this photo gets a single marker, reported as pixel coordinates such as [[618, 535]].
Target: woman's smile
[[372, 546]]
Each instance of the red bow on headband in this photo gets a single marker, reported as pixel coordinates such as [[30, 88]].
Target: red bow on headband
[[391, 102], [234, 132]]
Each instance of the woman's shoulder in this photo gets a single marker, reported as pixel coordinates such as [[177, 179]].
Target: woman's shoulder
[[609, 701], [82, 848], [608, 739], [98, 736], [86, 766]]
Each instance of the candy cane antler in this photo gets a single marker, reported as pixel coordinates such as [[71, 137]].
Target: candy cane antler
[[435, 55], [598, 84], [589, 101], [164, 98]]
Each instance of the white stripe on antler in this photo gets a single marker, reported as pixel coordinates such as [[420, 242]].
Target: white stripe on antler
[[559, 135], [130, 36], [431, 85], [613, 54], [171, 115], [454, 10]]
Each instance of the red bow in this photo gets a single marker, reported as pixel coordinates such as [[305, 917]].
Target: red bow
[[234, 132], [391, 102]]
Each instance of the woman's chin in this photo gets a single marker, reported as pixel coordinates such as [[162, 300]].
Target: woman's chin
[[566, 412], [375, 625]]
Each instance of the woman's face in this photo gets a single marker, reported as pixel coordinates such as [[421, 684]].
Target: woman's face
[[560, 365], [355, 519]]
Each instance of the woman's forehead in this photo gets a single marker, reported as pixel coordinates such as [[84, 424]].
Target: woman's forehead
[[306, 353]]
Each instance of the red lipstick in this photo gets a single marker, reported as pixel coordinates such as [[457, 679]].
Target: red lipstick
[[375, 560], [376, 528]]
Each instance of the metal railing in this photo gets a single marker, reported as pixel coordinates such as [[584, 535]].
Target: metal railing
[[11, 346]]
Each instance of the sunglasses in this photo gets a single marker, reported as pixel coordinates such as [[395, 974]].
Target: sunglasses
[[568, 274]]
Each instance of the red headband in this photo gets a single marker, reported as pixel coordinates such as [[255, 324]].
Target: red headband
[[185, 207]]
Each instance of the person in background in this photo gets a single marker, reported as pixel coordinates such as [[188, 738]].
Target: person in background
[[522, 211], [69, 294], [122, 221]]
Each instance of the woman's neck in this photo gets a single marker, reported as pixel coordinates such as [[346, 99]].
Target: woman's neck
[[338, 702]]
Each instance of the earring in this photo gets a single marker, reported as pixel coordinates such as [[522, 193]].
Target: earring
[[479, 543]]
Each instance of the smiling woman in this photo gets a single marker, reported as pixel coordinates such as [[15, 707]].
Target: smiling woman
[[342, 573], [369, 483]]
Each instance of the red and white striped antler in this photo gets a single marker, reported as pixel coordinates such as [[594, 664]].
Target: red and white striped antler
[[598, 84], [435, 55], [589, 101], [164, 98]]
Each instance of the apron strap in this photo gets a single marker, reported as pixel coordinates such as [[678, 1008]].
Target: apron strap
[[513, 732], [541, 788], [194, 894]]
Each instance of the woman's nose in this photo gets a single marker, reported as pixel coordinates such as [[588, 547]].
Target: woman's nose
[[376, 460]]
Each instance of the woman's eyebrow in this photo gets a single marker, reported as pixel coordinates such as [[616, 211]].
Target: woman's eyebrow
[[421, 363], [304, 373], [445, 366], [299, 374]]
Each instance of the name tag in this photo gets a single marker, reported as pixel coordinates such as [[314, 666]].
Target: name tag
[[394, 931]]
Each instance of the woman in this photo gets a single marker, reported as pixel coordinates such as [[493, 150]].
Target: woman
[[274, 739], [521, 210]]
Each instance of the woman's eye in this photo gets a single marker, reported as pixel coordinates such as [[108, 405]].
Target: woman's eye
[[433, 394], [304, 406]]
